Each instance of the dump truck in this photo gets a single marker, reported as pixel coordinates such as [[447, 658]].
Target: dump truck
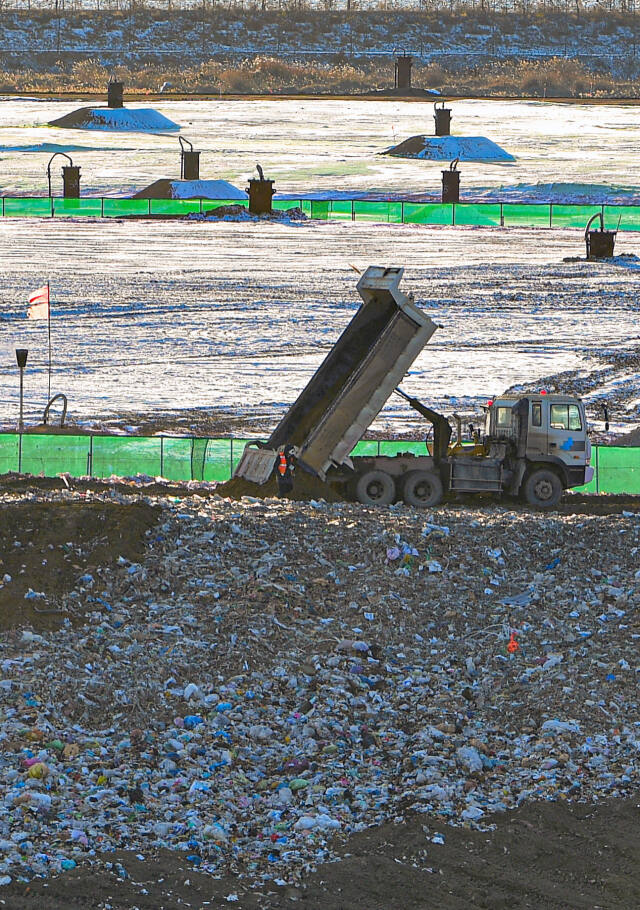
[[533, 446]]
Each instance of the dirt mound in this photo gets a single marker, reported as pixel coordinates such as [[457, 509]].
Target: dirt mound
[[240, 213], [166, 188], [305, 487], [47, 548]]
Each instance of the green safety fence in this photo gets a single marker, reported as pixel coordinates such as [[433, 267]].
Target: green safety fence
[[616, 468], [488, 214]]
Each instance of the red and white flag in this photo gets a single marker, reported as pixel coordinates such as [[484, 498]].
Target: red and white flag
[[39, 303]]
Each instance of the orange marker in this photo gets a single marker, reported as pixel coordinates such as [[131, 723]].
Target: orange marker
[[513, 645]]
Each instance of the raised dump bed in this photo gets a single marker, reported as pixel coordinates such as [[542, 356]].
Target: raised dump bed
[[352, 384]]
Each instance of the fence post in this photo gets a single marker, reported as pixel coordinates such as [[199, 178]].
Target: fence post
[[501, 215], [162, 456], [102, 206], [551, 214], [453, 214], [597, 448], [90, 458], [20, 453], [230, 457], [402, 212]]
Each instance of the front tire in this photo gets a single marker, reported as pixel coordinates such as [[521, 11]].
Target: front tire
[[375, 488], [422, 489], [543, 489]]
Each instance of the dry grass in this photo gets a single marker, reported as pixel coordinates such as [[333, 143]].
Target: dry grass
[[554, 77]]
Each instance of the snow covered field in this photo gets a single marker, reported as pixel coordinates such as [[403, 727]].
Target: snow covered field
[[159, 317], [323, 145], [151, 318]]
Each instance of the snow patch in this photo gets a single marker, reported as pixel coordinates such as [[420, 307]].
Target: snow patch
[[569, 193], [446, 148], [120, 119], [205, 189]]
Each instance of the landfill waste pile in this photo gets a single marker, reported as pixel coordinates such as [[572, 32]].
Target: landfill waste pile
[[240, 213], [252, 684]]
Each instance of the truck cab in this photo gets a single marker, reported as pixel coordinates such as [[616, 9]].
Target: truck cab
[[548, 431]]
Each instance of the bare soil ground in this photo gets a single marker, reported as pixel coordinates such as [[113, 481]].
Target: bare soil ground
[[52, 545], [545, 856]]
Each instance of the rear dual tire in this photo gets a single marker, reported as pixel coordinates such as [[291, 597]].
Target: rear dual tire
[[419, 489], [375, 488], [422, 489]]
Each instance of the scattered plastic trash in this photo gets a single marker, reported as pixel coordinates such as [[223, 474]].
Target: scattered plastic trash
[[271, 673], [434, 531]]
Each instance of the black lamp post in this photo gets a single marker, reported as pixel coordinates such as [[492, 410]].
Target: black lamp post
[[21, 357]]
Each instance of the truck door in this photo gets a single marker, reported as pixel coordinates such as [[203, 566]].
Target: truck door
[[538, 428], [567, 432]]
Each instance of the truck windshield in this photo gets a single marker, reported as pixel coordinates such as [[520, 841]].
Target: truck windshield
[[565, 417]]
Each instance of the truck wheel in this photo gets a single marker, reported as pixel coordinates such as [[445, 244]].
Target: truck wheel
[[543, 489], [375, 488], [422, 489]]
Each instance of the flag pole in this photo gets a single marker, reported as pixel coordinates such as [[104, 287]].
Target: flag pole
[[49, 327]]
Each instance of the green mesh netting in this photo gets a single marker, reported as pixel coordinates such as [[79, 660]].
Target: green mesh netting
[[198, 458], [367, 447], [126, 456], [616, 468], [485, 214], [9, 452], [320, 209], [400, 446], [283, 205], [536, 215], [177, 463], [428, 213], [51, 455], [175, 206], [622, 217], [377, 211], [568, 216], [341, 210], [23, 207], [73, 208], [118, 208]]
